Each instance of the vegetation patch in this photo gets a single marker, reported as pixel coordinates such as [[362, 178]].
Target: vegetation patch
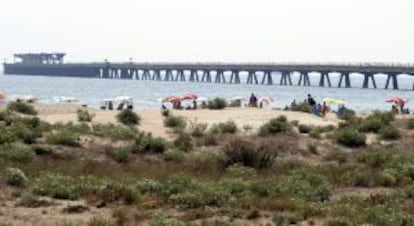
[[128, 117], [21, 108], [84, 115], [217, 104], [275, 126]]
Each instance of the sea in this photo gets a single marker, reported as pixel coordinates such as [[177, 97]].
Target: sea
[[147, 94]]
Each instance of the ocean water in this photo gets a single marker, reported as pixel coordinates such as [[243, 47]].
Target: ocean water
[[146, 93]]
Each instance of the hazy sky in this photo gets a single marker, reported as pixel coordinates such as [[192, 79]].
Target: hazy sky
[[211, 30]]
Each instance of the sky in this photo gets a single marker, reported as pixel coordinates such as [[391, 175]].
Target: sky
[[211, 30]]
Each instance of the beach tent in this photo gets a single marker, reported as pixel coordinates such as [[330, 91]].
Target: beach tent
[[265, 100], [189, 96], [171, 99], [2, 96], [331, 101], [396, 100], [24, 98]]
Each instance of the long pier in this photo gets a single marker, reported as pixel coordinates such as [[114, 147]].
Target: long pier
[[220, 72]]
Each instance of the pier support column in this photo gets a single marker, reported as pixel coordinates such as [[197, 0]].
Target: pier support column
[[157, 75], [194, 76], [344, 77], [267, 76], [252, 78], [324, 75], [168, 76], [393, 78], [106, 73], [180, 76], [365, 84], [304, 79], [285, 78], [220, 77], [234, 78], [206, 76]]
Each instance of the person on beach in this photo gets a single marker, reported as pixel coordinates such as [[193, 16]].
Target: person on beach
[[324, 110], [394, 109], [253, 101], [194, 104], [311, 101]]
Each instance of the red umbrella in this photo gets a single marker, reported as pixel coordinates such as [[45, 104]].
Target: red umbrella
[[172, 99], [2, 95], [189, 96], [397, 100]]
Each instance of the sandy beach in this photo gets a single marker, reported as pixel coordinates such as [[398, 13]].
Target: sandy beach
[[152, 120]]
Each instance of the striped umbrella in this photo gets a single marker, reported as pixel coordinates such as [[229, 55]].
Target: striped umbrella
[[189, 96]]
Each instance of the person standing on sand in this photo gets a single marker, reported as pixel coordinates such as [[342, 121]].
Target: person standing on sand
[[324, 110], [253, 101], [311, 101]]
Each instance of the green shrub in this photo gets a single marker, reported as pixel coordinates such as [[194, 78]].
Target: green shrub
[[304, 128], [410, 123], [389, 133], [100, 222], [350, 137], [15, 177], [305, 185], [337, 155], [174, 155], [42, 149], [302, 107], [115, 132], [198, 129], [313, 148], [228, 127], [175, 122], [64, 137], [240, 171], [21, 154], [409, 191], [6, 135], [84, 115], [348, 116], [120, 155], [22, 108], [358, 178], [217, 104], [28, 136], [79, 128], [128, 117], [275, 126], [146, 143], [248, 154], [315, 133], [338, 222], [165, 112], [184, 142], [373, 124], [385, 117], [119, 192]]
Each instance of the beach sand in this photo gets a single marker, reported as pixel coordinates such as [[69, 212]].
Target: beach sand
[[152, 120]]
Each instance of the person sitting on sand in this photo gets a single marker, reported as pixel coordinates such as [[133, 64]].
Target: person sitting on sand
[[324, 110]]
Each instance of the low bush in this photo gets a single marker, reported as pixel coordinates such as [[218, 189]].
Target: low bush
[[120, 155], [410, 123], [315, 133], [248, 153], [184, 142], [20, 154], [373, 124], [389, 133], [128, 117], [228, 127], [84, 115], [302, 107], [198, 129], [350, 137], [165, 112], [275, 126], [15, 177], [64, 137], [7, 135], [304, 128], [240, 171], [115, 132], [313, 148], [409, 191], [175, 122], [144, 142], [119, 192], [42, 149], [337, 155], [22, 108], [174, 155], [217, 104]]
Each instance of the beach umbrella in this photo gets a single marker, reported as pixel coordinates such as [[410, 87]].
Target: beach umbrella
[[189, 96], [202, 99], [330, 101], [265, 100], [172, 99], [2, 95], [396, 100]]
